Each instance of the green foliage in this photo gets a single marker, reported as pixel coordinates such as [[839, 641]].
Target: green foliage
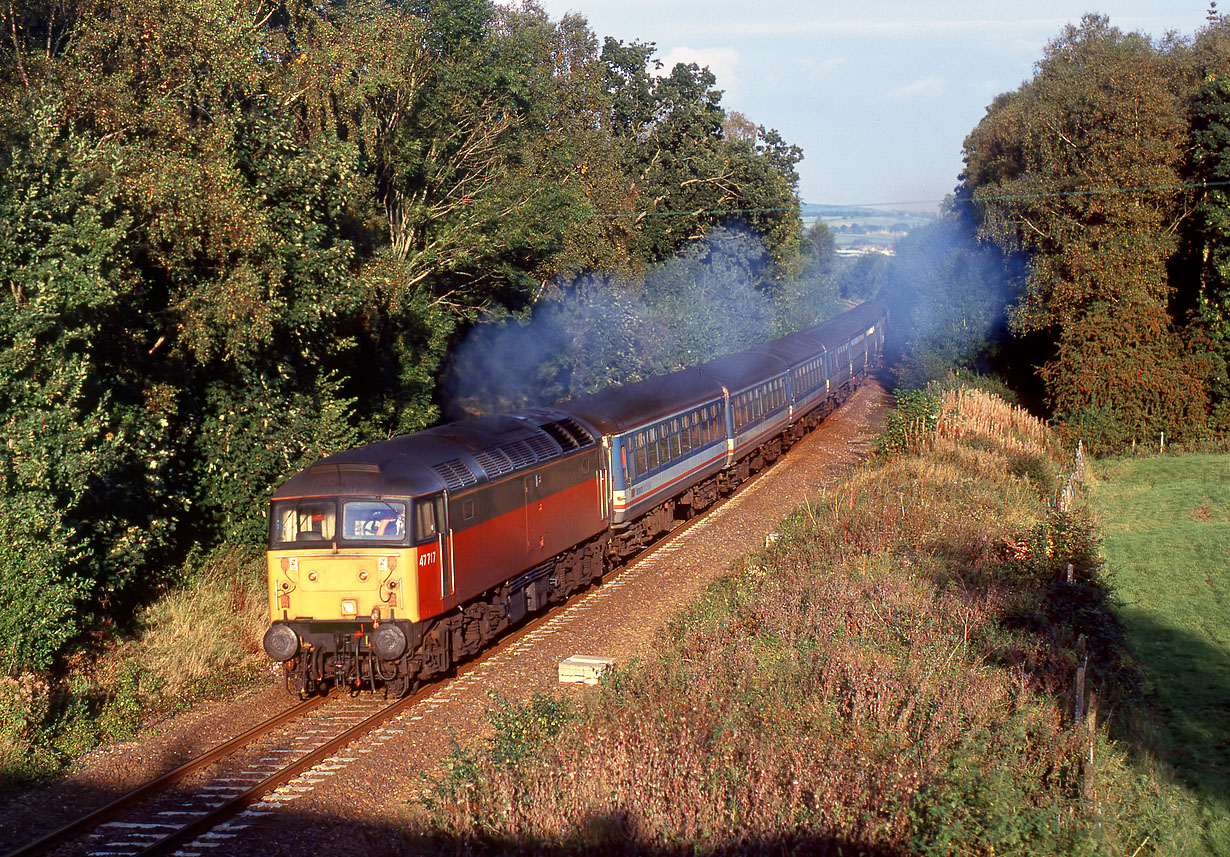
[[812, 295], [1122, 374], [1084, 173], [91, 445], [1046, 167], [913, 418], [1044, 552], [252, 438], [1210, 162], [521, 729], [38, 602], [121, 714], [982, 805], [706, 301], [691, 174]]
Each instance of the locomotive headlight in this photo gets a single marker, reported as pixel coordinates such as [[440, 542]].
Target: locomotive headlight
[[281, 643], [388, 642], [350, 607]]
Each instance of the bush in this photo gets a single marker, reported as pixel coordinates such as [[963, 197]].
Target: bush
[[915, 417], [37, 604], [1038, 470], [1123, 374]]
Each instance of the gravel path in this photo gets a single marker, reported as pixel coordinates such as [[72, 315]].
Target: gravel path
[[351, 804]]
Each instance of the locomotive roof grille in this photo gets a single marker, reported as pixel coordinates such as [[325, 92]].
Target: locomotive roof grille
[[519, 453], [343, 467], [569, 434], [455, 474], [494, 462], [544, 447]]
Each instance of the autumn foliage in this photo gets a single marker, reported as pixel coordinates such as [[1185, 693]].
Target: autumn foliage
[[1086, 173]]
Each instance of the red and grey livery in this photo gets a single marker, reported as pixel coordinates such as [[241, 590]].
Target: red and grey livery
[[390, 562]]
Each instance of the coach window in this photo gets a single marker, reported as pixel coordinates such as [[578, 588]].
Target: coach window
[[651, 448], [676, 441], [664, 444], [642, 463]]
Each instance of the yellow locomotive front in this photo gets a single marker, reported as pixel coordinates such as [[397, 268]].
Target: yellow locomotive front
[[342, 591]]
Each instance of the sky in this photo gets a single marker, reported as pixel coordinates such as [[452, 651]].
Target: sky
[[879, 94]]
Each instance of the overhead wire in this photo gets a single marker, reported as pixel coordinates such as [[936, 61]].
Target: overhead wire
[[696, 212]]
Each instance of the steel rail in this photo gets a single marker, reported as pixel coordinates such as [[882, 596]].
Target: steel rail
[[142, 792], [242, 801]]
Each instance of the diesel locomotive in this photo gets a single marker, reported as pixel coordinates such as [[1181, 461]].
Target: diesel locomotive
[[389, 563]]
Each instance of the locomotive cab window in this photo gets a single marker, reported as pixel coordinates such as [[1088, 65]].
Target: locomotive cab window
[[428, 519], [303, 521], [377, 520]]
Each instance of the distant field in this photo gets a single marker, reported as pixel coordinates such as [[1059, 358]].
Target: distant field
[[1167, 545], [867, 227]]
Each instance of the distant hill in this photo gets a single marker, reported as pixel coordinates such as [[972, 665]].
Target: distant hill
[[813, 212]]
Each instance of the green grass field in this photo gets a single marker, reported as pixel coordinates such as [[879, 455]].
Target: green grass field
[[1167, 547]]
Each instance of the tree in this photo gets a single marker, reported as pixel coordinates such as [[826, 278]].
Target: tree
[[92, 443], [1209, 302], [1081, 171], [1133, 379], [693, 176]]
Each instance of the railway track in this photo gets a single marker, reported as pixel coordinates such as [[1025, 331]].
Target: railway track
[[203, 795], [193, 809], [203, 804], [200, 799]]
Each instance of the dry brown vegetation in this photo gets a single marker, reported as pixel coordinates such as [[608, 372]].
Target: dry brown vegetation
[[893, 675]]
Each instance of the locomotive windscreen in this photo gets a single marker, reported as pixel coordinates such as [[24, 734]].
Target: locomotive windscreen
[[303, 521]]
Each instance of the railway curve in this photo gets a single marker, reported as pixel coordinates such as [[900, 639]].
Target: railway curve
[[359, 811]]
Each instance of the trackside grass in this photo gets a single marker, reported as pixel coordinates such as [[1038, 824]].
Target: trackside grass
[[198, 639], [1167, 547], [894, 675]]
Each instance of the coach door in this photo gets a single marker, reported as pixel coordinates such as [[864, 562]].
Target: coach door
[[431, 536]]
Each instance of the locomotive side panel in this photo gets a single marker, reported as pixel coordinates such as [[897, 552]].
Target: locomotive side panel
[[504, 528]]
